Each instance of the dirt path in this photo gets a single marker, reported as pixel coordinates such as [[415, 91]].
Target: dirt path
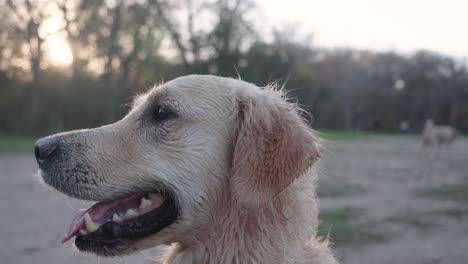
[[417, 205], [380, 179]]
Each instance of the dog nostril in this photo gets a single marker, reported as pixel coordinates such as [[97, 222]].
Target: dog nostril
[[44, 148]]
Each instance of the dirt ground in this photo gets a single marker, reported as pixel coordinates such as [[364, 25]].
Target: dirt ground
[[394, 205], [413, 207]]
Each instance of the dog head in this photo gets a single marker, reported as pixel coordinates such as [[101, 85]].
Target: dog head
[[184, 146]]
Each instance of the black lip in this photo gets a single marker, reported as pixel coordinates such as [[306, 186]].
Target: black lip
[[113, 238]]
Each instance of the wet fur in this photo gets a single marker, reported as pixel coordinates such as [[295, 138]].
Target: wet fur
[[239, 159]]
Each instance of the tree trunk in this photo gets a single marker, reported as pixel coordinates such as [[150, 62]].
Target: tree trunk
[[112, 52]]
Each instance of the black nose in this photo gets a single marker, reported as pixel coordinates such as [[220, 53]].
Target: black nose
[[44, 148]]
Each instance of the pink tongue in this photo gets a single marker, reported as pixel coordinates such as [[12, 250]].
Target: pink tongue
[[96, 212], [76, 225]]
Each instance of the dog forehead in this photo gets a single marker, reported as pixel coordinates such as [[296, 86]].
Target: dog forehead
[[196, 84], [207, 86]]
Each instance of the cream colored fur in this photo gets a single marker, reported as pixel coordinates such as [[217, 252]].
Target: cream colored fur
[[239, 159], [437, 136]]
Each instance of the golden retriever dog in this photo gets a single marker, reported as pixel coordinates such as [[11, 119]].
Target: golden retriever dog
[[436, 136], [218, 168]]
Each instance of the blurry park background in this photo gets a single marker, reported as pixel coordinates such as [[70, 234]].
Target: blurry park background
[[365, 70], [73, 64]]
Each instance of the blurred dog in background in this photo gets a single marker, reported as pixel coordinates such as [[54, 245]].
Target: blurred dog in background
[[436, 137]]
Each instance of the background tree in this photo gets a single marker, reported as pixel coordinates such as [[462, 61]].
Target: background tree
[[120, 48]]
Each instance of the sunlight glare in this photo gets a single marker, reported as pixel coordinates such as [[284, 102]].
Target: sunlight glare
[[58, 51]]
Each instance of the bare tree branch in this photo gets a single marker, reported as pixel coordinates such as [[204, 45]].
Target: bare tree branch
[[175, 36]]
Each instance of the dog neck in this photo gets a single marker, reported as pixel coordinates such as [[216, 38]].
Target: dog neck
[[281, 232]]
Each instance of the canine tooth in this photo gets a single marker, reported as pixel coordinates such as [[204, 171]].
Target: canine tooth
[[144, 203], [116, 218], [91, 226], [83, 232], [130, 213]]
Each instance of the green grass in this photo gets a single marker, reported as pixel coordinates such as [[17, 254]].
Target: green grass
[[336, 224], [455, 212], [427, 219], [341, 135], [457, 192], [17, 144], [349, 135], [336, 190], [417, 220]]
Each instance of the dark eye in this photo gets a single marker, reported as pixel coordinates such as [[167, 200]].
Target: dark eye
[[161, 113]]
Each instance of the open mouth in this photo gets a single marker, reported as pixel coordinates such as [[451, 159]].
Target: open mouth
[[110, 224]]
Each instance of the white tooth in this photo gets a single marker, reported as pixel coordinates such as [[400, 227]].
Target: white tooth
[[130, 213], [144, 203], [154, 196], [116, 218], [90, 225], [83, 232]]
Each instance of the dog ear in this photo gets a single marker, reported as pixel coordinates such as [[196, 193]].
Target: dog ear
[[273, 147]]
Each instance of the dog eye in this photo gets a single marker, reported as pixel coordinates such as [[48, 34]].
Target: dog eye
[[161, 113]]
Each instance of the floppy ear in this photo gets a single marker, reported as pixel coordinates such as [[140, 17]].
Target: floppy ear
[[273, 148]]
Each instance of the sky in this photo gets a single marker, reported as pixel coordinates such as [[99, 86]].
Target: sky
[[400, 25]]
